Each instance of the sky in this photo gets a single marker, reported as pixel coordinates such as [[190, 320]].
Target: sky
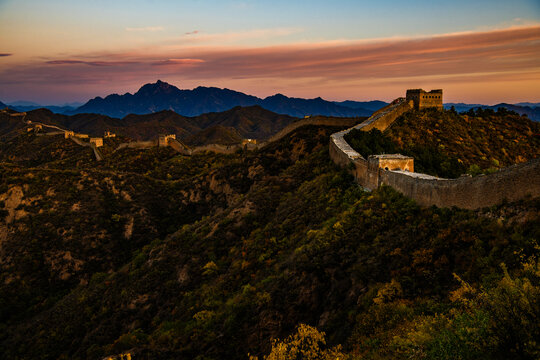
[[477, 51]]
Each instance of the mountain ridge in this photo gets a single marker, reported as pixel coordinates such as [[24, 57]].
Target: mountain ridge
[[161, 96], [249, 122], [154, 97]]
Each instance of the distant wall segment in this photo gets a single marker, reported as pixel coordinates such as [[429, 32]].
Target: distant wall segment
[[511, 183], [250, 144]]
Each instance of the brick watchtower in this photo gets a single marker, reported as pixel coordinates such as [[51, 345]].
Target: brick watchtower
[[423, 99]]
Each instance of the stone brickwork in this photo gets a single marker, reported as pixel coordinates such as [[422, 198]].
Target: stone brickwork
[[163, 140], [384, 117], [423, 99], [97, 142], [511, 183]]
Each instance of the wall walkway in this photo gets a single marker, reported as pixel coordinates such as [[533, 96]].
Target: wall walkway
[[97, 153]]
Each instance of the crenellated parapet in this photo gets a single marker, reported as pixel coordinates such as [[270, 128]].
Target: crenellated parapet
[[423, 99]]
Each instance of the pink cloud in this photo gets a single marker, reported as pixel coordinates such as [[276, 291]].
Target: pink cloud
[[178, 62], [492, 56], [91, 63]]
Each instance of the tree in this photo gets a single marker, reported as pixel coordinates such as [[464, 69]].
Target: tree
[[307, 343]]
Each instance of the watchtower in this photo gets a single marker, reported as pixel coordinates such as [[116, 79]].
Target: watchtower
[[423, 99], [98, 142], [163, 140]]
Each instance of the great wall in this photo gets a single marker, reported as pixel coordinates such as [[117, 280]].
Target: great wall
[[176, 144], [395, 170], [511, 183]]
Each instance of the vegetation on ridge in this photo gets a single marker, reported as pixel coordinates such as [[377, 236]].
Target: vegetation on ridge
[[447, 144], [227, 252]]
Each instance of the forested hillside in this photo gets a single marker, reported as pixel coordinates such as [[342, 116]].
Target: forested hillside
[[448, 144], [213, 256]]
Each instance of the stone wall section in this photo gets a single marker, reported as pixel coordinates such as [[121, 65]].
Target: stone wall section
[[387, 115], [511, 183]]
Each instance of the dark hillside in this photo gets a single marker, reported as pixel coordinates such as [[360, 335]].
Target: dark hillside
[[31, 150], [216, 135], [249, 122], [10, 126], [212, 256], [146, 127]]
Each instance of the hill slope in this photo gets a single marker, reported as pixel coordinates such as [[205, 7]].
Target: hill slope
[[216, 134], [213, 256], [483, 139], [10, 126], [447, 144], [250, 122]]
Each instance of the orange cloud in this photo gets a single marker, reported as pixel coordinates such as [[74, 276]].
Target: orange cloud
[[178, 62], [91, 63], [329, 69]]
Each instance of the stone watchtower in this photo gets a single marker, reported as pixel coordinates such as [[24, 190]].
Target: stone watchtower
[[163, 140], [423, 99]]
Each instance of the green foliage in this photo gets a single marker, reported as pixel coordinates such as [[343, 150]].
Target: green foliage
[[230, 252], [482, 139], [427, 158], [372, 142], [498, 322]]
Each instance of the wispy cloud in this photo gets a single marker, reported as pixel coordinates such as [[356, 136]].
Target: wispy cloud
[[146, 29], [198, 37], [505, 56], [5, 54], [189, 62], [90, 63]]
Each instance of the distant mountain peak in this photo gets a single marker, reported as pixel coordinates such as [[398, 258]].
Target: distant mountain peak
[[159, 87], [160, 95]]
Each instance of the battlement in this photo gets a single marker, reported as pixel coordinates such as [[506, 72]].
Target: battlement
[[163, 140], [391, 162], [423, 99], [97, 142], [35, 128]]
